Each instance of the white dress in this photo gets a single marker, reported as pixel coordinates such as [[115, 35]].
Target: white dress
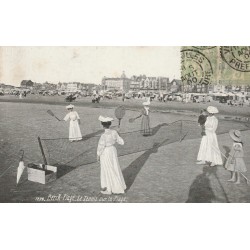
[[74, 129], [111, 174], [209, 149]]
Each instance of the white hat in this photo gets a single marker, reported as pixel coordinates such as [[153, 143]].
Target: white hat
[[70, 106], [105, 119], [235, 135], [212, 110], [147, 103]]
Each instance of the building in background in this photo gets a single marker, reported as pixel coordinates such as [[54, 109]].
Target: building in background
[[116, 84], [73, 87], [219, 88], [151, 84], [26, 84]]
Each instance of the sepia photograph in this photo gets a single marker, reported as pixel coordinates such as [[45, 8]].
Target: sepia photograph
[[124, 124], [128, 124]]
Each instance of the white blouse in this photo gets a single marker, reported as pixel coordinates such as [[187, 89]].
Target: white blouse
[[109, 138], [73, 116], [211, 124]]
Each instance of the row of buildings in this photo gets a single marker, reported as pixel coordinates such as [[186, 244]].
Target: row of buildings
[[69, 87], [163, 84], [135, 83], [138, 83], [61, 86]]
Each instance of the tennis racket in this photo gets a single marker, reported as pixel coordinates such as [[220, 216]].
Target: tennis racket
[[119, 113], [52, 114]]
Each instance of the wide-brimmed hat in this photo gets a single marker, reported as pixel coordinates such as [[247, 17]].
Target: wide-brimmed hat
[[235, 135], [70, 106], [105, 119], [212, 110]]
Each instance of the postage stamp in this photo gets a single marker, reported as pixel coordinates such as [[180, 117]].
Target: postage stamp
[[196, 68], [237, 57], [230, 64]]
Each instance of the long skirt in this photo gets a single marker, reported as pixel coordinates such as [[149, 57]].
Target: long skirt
[[145, 125], [74, 131], [111, 174], [209, 150]]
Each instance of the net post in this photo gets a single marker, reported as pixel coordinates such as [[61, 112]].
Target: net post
[[181, 130], [42, 151]]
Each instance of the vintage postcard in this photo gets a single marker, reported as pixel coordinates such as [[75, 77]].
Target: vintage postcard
[[125, 124]]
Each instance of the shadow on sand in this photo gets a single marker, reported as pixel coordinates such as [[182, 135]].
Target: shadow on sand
[[200, 190], [134, 168], [157, 128], [131, 171]]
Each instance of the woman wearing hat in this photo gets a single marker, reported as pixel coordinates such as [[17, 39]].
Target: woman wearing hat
[[209, 148], [145, 121], [74, 129], [235, 162], [112, 180]]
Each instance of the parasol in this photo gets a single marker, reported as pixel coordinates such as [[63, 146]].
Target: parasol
[[119, 113], [20, 168]]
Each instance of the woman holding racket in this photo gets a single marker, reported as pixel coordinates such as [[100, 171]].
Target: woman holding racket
[[74, 129], [145, 121]]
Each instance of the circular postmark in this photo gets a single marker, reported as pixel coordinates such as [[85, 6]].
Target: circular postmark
[[237, 57], [203, 47], [195, 68]]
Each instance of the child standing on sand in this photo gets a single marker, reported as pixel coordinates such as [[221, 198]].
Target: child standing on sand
[[235, 162]]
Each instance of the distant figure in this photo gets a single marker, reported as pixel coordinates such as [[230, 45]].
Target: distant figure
[[74, 129], [20, 95], [209, 148], [241, 103], [112, 180], [235, 162], [202, 120]]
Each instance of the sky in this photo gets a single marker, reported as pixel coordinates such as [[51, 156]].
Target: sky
[[85, 64]]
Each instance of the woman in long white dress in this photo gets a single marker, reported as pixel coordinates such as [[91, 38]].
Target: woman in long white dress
[[112, 180], [209, 148], [74, 129]]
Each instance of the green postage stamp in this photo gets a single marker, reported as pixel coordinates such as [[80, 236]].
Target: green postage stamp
[[227, 65]]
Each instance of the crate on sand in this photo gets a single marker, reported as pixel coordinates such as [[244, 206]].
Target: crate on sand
[[41, 173]]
